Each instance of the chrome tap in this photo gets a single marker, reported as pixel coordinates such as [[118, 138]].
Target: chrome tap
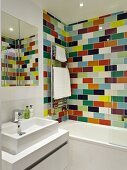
[[18, 122]]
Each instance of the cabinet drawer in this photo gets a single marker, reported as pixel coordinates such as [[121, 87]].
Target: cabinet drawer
[[56, 161]]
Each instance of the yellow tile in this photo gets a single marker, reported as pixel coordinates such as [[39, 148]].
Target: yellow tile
[[105, 98], [21, 78], [11, 62], [64, 33], [49, 62], [35, 73], [45, 113], [98, 68], [117, 23], [24, 58], [77, 48]]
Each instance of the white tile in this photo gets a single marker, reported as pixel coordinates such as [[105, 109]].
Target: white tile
[[105, 50], [110, 92], [76, 80], [117, 86], [78, 26], [88, 114], [92, 74], [87, 58], [104, 110], [93, 97], [73, 65], [88, 35], [121, 67], [83, 42], [60, 25], [122, 29], [104, 74], [50, 38]]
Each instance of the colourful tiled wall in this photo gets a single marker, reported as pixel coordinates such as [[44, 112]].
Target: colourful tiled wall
[[28, 61], [97, 60], [53, 32], [8, 63], [23, 69]]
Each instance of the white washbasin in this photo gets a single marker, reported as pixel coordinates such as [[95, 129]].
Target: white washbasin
[[36, 129]]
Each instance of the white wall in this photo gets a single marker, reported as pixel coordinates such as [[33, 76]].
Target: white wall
[[17, 97]]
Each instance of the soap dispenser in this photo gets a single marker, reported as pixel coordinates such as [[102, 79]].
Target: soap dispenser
[[26, 113], [31, 111]]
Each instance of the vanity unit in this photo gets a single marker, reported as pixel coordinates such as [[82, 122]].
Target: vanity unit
[[43, 146]]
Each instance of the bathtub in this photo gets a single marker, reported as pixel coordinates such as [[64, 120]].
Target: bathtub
[[96, 147]]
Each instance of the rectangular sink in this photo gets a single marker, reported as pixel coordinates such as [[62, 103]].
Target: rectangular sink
[[36, 129]]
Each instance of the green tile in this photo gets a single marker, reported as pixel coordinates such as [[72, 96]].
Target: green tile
[[47, 55], [47, 30], [98, 33], [117, 74], [117, 124], [83, 108], [83, 119], [73, 54], [87, 91], [63, 43], [82, 75], [117, 36], [88, 103], [73, 96], [88, 24], [122, 54], [117, 99], [88, 47]]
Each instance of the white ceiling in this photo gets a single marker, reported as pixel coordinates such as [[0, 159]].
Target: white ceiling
[[69, 11], [21, 28]]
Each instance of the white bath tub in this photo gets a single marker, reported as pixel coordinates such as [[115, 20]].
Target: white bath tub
[[96, 147]]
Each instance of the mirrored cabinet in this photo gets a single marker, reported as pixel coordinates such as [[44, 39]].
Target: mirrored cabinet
[[19, 52]]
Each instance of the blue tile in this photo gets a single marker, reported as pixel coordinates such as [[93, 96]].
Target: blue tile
[[68, 28], [82, 64], [98, 57], [122, 41], [46, 43], [93, 40], [125, 124], [125, 61], [77, 37], [64, 118], [77, 91], [104, 86], [99, 115], [122, 105]]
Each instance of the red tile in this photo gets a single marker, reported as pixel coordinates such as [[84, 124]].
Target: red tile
[[74, 86], [117, 48], [92, 29], [118, 111], [110, 80], [105, 122], [125, 73], [88, 69], [77, 70], [55, 34], [82, 31], [82, 53], [98, 104], [32, 43], [45, 74], [104, 62], [77, 113], [87, 80], [111, 31], [99, 45], [61, 114], [70, 60]]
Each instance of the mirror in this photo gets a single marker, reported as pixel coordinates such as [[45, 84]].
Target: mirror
[[19, 49]]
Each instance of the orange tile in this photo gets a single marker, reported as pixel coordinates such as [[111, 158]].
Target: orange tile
[[110, 105], [98, 104], [92, 120], [93, 86], [122, 80], [70, 60], [68, 39], [92, 63], [110, 43], [77, 113], [46, 17], [74, 86], [29, 48], [98, 21], [125, 35], [35, 64], [70, 112], [45, 87]]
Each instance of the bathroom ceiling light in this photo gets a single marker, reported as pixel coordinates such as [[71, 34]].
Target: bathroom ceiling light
[[11, 29], [100, 28], [81, 4]]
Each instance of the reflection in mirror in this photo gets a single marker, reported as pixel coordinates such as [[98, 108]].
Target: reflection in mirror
[[19, 52]]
